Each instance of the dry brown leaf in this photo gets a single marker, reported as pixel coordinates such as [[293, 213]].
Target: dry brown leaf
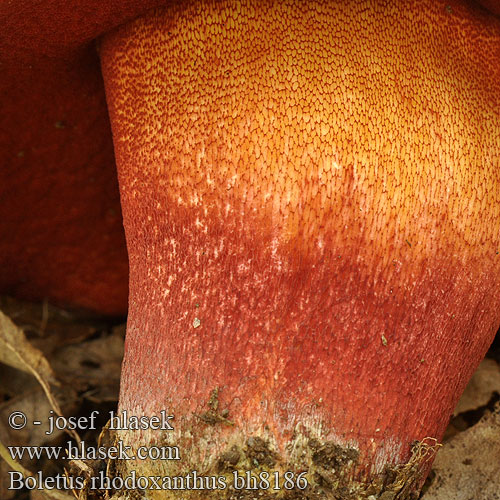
[[92, 366], [49, 494], [4, 453], [49, 327], [98, 360], [16, 351], [468, 466], [35, 406], [482, 385], [5, 493], [15, 382], [33, 403]]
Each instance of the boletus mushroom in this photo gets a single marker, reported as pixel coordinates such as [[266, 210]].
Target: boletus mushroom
[[311, 200]]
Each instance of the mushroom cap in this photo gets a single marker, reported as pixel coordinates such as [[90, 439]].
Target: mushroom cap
[[59, 203]]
